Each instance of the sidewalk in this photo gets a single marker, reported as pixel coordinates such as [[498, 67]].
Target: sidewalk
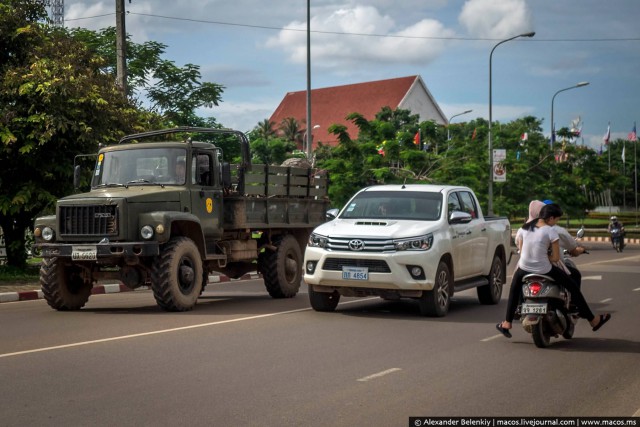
[[32, 292]]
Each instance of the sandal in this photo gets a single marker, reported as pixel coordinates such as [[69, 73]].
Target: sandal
[[604, 318], [505, 331]]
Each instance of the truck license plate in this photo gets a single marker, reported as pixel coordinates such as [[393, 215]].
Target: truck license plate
[[355, 273], [84, 253], [533, 309]]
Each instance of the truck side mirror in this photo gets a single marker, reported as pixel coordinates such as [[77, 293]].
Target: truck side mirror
[[226, 175], [76, 177]]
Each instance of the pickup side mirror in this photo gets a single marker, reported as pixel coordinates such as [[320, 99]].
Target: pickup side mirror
[[76, 176], [458, 217], [332, 213]]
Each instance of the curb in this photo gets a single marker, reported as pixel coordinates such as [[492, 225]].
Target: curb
[[111, 288]]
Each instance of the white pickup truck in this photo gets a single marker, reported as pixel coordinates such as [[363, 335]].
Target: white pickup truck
[[408, 241]]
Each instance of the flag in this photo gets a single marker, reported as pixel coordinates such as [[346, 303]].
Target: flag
[[607, 136], [473, 135], [416, 138], [518, 155], [524, 137], [632, 135], [623, 147], [600, 151]]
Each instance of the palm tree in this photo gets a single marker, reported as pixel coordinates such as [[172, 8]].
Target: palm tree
[[291, 131], [265, 130]]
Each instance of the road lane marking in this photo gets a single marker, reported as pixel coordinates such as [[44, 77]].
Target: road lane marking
[[378, 375], [164, 331], [491, 338], [637, 289], [592, 278], [606, 300]]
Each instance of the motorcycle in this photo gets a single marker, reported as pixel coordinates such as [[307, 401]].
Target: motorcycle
[[617, 238], [547, 310]]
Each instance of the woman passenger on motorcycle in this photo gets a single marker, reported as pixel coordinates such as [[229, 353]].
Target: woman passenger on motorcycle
[[538, 236]]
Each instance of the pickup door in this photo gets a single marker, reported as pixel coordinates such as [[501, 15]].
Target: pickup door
[[470, 240]]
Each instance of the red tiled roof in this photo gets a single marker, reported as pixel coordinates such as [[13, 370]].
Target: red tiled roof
[[332, 104]]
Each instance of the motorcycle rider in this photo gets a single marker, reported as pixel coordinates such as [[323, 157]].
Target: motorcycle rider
[[613, 224], [537, 236]]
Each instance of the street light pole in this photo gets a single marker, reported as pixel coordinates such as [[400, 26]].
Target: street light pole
[[551, 138], [308, 138], [490, 200], [449, 122]]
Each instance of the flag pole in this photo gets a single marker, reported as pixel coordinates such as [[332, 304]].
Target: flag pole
[[624, 174], [635, 169]]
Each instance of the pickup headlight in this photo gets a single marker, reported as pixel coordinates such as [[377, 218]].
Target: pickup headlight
[[420, 243], [317, 241]]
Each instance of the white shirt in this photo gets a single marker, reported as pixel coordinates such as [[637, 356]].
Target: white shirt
[[534, 255]]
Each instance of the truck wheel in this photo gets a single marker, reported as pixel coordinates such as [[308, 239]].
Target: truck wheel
[[490, 293], [282, 268], [63, 286], [323, 301], [435, 303], [176, 275]]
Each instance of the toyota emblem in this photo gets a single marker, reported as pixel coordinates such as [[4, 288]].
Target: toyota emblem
[[356, 245]]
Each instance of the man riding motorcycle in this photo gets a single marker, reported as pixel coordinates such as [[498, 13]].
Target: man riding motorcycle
[[616, 230]]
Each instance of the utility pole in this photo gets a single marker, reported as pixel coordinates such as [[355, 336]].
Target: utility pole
[[121, 48]]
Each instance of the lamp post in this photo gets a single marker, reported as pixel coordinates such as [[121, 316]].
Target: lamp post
[[451, 118], [308, 137], [490, 199], [551, 136], [308, 140]]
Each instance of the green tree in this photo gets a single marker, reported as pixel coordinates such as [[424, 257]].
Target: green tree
[[54, 103], [290, 129]]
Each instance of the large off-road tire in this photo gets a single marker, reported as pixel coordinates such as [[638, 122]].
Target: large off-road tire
[[490, 293], [323, 301], [63, 285], [435, 303], [541, 337], [177, 276], [282, 269]]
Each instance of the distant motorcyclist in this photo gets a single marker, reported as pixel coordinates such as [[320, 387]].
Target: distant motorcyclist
[[614, 224]]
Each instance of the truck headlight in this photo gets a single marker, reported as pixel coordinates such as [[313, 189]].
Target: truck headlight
[[48, 234], [146, 232], [420, 243], [317, 241]]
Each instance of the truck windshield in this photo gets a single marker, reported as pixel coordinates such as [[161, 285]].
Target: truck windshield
[[140, 166], [412, 205]]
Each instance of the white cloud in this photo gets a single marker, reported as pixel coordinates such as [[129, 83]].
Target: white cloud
[[243, 116], [496, 19], [500, 113], [406, 45]]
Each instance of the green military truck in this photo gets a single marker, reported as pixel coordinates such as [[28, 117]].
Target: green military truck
[[145, 222]]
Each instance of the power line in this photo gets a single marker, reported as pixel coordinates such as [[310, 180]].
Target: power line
[[265, 27]]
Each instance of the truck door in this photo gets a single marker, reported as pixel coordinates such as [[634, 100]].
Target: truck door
[[206, 196], [478, 240]]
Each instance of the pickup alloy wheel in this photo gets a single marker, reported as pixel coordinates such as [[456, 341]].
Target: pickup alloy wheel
[[435, 303], [63, 286], [177, 275], [490, 293]]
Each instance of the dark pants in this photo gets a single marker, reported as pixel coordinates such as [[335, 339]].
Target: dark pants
[[576, 276], [515, 293]]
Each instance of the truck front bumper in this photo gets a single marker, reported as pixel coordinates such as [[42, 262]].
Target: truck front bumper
[[101, 250]]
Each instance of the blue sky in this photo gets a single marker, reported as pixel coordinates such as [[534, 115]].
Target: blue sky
[[252, 49]]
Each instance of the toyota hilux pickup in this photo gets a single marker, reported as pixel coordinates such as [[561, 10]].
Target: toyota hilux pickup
[[425, 242]]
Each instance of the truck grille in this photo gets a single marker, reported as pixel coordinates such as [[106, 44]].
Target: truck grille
[[89, 220], [365, 245], [374, 266]]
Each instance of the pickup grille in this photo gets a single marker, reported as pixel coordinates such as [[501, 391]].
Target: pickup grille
[[88, 220], [374, 266], [369, 245]]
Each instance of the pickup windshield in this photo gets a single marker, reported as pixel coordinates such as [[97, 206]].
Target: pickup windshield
[[412, 205], [140, 167]]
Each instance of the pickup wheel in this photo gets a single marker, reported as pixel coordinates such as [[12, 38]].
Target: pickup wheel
[[282, 268], [435, 303], [63, 286], [177, 276], [490, 293], [323, 301]]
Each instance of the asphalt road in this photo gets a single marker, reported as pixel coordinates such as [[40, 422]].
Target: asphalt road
[[242, 358]]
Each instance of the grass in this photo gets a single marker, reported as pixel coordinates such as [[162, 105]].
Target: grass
[[29, 273]]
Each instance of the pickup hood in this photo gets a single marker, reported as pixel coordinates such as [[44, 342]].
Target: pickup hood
[[395, 229]]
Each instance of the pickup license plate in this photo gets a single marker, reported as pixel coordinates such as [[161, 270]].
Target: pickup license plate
[[355, 273], [84, 253], [533, 309]]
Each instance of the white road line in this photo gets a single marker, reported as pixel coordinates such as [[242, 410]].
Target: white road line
[[492, 338], [164, 331], [592, 278], [606, 300], [637, 414], [637, 289], [379, 374]]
